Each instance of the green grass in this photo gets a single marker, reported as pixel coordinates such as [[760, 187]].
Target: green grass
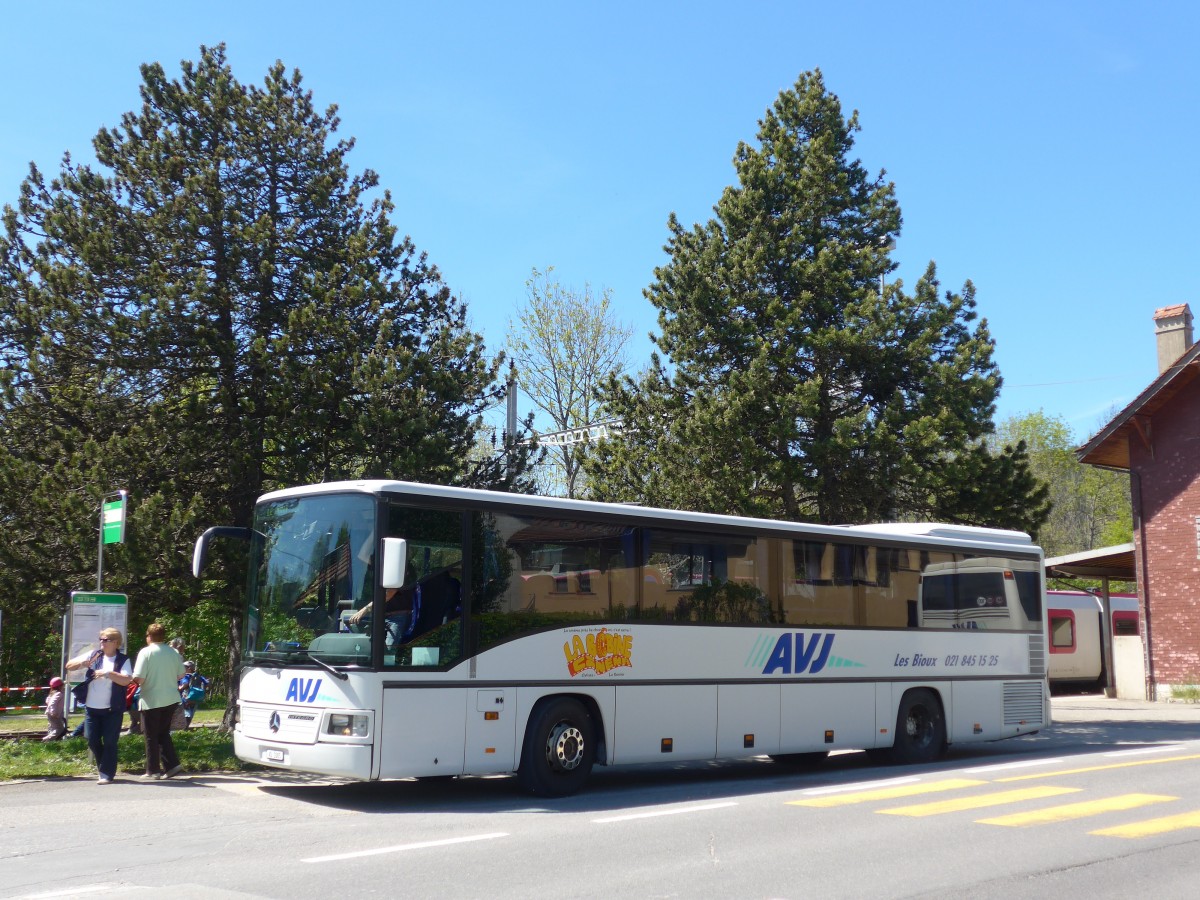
[[1187, 692], [37, 721], [200, 750]]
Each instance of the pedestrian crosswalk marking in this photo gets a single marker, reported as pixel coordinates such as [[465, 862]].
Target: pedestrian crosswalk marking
[[891, 793], [978, 801], [884, 791], [1071, 811], [1151, 827]]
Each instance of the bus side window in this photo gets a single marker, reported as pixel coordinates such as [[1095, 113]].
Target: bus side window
[[570, 569], [697, 577], [423, 625]]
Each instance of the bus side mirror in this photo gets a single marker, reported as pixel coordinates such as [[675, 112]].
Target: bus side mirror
[[200, 554], [395, 552]]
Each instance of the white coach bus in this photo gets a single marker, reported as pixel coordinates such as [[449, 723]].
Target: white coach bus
[[396, 630]]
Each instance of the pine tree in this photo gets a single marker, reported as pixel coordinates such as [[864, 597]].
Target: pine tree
[[220, 308], [793, 382]]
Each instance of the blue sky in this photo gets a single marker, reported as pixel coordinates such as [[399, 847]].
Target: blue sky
[[1043, 150]]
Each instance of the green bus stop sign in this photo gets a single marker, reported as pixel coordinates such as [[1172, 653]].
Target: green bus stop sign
[[113, 517]]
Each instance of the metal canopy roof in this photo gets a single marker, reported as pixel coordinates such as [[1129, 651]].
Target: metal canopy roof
[[1115, 563]]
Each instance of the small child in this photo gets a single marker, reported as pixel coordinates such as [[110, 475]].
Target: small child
[[56, 711], [191, 691]]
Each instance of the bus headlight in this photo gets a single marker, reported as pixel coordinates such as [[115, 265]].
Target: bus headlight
[[347, 725]]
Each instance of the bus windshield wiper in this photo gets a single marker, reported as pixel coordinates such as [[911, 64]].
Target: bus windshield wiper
[[342, 676]]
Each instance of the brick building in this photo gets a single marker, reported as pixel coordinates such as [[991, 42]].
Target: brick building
[[1156, 438]]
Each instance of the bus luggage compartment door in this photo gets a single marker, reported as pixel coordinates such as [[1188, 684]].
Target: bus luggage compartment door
[[827, 716], [665, 723], [423, 732], [747, 719]]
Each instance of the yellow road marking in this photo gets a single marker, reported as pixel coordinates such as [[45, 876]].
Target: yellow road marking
[[1120, 765], [979, 801], [892, 793], [1077, 810], [1152, 827]]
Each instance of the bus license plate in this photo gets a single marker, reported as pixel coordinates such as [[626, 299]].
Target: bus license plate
[[273, 756]]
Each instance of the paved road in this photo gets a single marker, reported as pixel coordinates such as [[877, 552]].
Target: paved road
[[699, 829]]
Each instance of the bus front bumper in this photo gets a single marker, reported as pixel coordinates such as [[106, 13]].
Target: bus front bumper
[[337, 759]]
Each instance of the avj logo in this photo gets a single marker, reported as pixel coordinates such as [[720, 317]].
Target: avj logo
[[797, 653], [303, 690]]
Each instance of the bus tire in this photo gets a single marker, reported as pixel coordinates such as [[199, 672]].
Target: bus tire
[[559, 749], [920, 728]]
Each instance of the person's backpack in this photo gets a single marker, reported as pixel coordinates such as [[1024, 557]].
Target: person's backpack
[[195, 691]]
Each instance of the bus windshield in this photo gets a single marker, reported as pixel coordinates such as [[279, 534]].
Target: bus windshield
[[311, 575]]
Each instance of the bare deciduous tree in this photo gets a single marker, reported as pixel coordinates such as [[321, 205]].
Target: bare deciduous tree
[[1090, 506], [564, 343]]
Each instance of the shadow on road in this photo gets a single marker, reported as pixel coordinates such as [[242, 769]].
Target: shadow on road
[[625, 788]]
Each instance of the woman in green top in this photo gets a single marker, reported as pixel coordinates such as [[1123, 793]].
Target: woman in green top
[[158, 670]]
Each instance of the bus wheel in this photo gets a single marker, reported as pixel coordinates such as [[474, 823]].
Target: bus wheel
[[559, 749], [920, 728]]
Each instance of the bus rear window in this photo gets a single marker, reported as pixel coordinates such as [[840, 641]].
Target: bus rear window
[[1029, 589], [963, 591]]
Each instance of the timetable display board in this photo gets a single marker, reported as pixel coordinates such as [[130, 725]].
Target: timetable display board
[[92, 611]]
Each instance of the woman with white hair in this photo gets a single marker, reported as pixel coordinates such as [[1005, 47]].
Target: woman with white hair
[[108, 673]]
